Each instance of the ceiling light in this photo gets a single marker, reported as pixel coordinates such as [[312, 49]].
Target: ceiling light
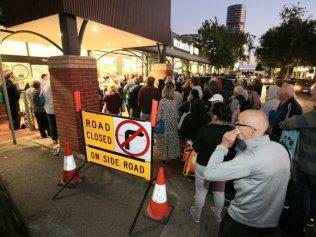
[[95, 29], [138, 41], [109, 44]]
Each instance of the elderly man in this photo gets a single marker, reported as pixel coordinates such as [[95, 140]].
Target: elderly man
[[261, 175], [287, 108], [46, 92]]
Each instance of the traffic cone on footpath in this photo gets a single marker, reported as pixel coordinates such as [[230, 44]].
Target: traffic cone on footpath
[[69, 168], [158, 208]]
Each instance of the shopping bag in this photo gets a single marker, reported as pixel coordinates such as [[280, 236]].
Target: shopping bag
[[189, 158], [290, 139], [160, 128]]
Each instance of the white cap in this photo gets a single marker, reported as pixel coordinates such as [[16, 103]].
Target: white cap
[[217, 97]]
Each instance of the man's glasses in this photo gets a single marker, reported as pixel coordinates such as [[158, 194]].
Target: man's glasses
[[244, 125]]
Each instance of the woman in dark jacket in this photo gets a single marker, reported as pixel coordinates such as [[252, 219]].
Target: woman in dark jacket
[[206, 141], [39, 111], [196, 117]]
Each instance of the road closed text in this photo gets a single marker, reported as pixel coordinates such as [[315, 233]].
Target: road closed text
[[138, 168], [98, 130]]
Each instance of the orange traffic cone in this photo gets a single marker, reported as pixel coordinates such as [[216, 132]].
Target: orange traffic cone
[[158, 208], [69, 168]]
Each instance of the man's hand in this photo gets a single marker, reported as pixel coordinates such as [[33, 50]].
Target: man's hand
[[229, 138]]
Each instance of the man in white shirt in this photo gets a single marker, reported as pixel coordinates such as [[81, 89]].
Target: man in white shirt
[[46, 91], [261, 175]]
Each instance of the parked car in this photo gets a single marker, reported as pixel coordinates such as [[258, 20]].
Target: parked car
[[291, 80], [304, 85]]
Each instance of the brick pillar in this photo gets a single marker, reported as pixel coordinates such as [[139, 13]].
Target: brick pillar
[[69, 74], [161, 70]]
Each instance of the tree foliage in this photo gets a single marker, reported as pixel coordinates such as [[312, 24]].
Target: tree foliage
[[292, 43], [220, 47]]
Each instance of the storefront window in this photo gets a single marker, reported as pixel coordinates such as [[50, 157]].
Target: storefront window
[[201, 69], [117, 64], [41, 50], [21, 72], [177, 66], [13, 48], [38, 70], [194, 68]]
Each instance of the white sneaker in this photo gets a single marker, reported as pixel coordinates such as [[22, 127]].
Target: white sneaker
[[195, 218], [217, 215]]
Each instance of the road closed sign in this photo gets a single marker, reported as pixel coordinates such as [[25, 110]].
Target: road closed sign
[[120, 143]]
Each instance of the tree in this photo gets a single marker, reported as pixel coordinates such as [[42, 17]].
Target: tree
[[220, 47], [290, 44]]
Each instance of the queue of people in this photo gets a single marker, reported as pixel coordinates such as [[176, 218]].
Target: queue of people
[[236, 137], [41, 103]]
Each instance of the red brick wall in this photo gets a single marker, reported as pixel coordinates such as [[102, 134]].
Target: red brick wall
[[69, 74]]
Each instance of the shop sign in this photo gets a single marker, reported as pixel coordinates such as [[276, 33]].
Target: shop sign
[[20, 72], [185, 46], [120, 143], [180, 45]]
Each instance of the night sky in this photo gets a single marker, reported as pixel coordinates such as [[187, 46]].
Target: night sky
[[187, 15]]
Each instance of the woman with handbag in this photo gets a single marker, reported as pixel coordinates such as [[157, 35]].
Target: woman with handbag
[[168, 146], [206, 141]]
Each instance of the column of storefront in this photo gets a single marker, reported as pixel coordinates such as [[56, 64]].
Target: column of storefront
[[72, 72]]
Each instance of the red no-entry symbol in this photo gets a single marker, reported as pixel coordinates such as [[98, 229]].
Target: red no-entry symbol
[[139, 131]]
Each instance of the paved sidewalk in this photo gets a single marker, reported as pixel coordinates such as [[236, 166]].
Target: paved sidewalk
[[103, 205]]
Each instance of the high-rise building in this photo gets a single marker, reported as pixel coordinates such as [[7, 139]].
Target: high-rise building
[[236, 17]]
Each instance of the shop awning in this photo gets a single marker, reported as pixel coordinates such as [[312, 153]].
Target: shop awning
[[112, 24], [172, 52], [96, 37]]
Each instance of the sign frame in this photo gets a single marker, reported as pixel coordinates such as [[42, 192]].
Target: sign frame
[[150, 180]]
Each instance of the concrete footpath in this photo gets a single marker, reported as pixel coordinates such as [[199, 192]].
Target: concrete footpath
[[103, 205]]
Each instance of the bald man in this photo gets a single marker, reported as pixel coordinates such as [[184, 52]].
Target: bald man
[[287, 108], [261, 175]]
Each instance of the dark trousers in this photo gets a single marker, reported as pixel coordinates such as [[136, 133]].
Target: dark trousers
[[16, 117], [42, 122], [135, 113], [53, 126], [231, 228], [307, 197]]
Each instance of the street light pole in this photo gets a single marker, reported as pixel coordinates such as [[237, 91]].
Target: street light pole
[[6, 98]]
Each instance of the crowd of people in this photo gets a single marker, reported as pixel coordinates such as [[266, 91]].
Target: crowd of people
[[40, 99], [235, 133], [236, 136]]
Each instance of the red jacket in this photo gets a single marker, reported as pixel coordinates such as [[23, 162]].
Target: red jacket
[[145, 97]]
